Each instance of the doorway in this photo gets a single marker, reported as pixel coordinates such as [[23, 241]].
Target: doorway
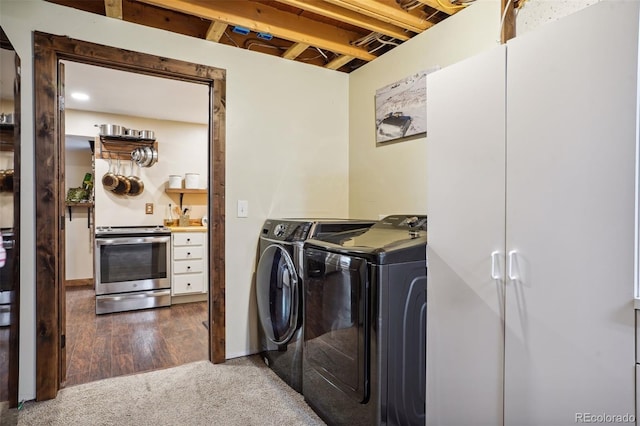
[[49, 51], [105, 338], [9, 222]]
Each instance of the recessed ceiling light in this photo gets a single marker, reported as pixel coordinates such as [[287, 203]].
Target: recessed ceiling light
[[80, 96]]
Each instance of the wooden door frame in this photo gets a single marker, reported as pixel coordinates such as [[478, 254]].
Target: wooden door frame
[[48, 51]]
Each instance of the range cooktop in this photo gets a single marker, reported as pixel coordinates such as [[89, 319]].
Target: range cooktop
[[132, 230]]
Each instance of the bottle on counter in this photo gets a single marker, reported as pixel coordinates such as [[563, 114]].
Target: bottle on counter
[[169, 221]]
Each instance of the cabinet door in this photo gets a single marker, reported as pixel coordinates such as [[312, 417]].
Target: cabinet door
[[466, 208], [571, 154]]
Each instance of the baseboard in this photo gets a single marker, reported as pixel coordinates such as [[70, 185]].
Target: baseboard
[[188, 298], [231, 355]]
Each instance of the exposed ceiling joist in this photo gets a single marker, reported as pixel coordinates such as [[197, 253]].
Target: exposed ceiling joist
[[443, 6], [113, 8], [339, 62], [385, 11], [261, 18], [340, 30], [295, 50], [215, 31], [349, 16]]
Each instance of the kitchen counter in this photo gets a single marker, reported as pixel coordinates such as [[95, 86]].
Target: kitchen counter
[[188, 228]]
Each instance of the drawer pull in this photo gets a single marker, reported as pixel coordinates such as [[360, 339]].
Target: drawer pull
[[188, 284], [188, 267], [188, 253]]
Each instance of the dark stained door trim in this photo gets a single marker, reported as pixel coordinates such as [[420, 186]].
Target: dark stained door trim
[[48, 51]]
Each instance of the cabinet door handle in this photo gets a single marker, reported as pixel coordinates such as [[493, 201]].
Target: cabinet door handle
[[495, 265], [513, 273]]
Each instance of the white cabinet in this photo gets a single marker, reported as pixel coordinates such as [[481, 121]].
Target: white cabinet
[[466, 199], [188, 263], [530, 315], [571, 157]]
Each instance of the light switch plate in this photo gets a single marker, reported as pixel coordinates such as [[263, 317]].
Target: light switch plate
[[243, 208], [148, 208]]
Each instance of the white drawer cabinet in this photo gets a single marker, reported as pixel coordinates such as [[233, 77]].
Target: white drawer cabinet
[[187, 253], [188, 283], [188, 263], [188, 239]]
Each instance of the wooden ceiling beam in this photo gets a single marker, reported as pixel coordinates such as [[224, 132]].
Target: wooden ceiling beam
[[339, 61], [386, 11], [349, 16], [215, 31], [113, 8], [443, 6], [295, 50], [261, 18]]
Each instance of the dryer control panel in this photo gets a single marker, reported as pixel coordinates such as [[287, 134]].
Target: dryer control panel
[[410, 222]]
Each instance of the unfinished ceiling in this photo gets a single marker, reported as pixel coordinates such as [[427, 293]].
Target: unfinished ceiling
[[336, 34]]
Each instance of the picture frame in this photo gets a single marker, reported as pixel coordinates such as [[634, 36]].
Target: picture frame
[[401, 108]]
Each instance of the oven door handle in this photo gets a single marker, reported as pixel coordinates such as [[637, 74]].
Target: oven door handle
[[131, 240]]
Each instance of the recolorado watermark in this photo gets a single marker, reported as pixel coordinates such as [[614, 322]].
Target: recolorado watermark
[[605, 418]]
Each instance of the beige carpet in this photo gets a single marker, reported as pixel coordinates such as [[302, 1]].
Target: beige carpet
[[242, 391]]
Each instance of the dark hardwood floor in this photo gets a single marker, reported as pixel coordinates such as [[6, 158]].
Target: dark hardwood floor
[[109, 345]]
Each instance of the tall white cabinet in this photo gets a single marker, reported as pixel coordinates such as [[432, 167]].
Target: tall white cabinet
[[466, 213], [530, 315]]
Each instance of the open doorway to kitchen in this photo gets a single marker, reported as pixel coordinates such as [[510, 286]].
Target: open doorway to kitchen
[[10, 166], [125, 312], [50, 53]]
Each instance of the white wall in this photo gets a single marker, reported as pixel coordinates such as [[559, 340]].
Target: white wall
[[182, 148], [392, 178], [286, 148], [78, 240], [538, 12]]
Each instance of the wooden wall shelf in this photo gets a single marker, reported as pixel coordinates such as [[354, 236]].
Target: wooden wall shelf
[[118, 148], [183, 191], [88, 205], [7, 137]]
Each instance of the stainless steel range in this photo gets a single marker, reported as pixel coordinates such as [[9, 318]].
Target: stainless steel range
[[132, 268]]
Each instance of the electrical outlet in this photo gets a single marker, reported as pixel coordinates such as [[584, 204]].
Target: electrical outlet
[[148, 208]]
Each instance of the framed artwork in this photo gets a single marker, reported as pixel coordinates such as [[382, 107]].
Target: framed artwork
[[401, 108]]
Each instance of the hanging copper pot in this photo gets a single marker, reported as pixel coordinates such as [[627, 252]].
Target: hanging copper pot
[[124, 185]]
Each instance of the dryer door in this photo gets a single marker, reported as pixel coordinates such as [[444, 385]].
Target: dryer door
[[277, 293]]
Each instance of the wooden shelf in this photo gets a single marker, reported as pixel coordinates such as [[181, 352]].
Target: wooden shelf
[[89, 205], [119, 148], [79, 204], [7, 137], [183, 191]]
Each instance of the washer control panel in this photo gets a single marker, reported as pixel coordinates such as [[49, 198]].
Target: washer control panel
[[286, 230]]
